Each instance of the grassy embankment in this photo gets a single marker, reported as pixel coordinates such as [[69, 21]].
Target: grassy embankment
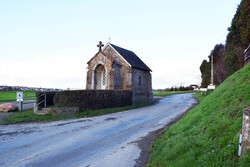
[[208, 134], [11, 95], [169, 93]]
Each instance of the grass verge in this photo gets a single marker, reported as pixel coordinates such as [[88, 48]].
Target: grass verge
[[28, 116], [208, 134]]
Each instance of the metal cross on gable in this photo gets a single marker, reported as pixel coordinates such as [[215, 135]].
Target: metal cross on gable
[[100, 45]]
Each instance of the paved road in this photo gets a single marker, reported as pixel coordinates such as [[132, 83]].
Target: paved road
[[107, 140]]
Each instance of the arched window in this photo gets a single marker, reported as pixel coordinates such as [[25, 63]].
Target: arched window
[[100, 77], [103, 79], [140, 80]]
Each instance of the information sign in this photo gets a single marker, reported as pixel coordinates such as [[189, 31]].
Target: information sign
[[203, 89], [211, 87], [19, 96]]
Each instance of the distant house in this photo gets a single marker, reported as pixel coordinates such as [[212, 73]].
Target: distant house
[[114, 67]]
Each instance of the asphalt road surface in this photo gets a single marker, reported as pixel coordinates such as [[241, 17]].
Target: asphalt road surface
[[108, 140]]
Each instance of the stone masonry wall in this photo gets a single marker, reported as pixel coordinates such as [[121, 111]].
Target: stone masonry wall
[[141, 86], [125, 70], [246, 130], [100, 59]]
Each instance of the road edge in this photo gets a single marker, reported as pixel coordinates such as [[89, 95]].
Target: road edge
[[146, 142]]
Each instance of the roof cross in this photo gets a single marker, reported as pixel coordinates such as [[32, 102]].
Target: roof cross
[[100, 45]]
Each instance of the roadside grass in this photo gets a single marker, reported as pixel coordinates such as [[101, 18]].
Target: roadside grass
[[29, 116], [169, 93], [208, 134], [11, 95]]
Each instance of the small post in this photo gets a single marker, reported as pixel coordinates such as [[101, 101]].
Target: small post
[[21, 106], [240, 140], [19, 97]]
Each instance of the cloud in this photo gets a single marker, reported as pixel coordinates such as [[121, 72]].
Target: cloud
[[168, 73], [64, 72], [50, 72]]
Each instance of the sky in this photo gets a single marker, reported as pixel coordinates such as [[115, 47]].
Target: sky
[[48, 43]]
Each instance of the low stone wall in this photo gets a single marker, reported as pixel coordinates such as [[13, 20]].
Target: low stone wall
[[57, 111], [245, 131], [94, 99], [62, 110]]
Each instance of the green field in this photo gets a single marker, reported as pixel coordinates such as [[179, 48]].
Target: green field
[[169, 93], [11, 95], [208, 134]]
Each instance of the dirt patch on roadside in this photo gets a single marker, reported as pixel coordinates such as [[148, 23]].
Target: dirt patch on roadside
[[145, 143]]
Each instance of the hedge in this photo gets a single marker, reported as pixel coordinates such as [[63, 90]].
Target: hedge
[[94, 99]]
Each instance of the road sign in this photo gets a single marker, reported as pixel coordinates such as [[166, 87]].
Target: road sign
[[19, 96], [203, 89], [211, 87]]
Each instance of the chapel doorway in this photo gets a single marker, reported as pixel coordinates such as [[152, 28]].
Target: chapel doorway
[[100, 77]]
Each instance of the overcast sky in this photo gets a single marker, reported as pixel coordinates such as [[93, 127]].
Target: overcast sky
[[47, 43]]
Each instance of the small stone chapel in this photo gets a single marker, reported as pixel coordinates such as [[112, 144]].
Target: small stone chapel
[[114, 67]]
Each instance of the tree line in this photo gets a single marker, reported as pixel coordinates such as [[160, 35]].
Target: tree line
[[180, 88], [229, 57]]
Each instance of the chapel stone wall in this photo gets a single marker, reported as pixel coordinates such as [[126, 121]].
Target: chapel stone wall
[[125, 72], [100, 59], [141, 86]]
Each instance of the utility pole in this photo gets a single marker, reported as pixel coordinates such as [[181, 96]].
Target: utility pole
[[212, 86], [212, 69]]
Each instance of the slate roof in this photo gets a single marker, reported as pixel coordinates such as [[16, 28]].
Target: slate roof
[[131, 58]]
